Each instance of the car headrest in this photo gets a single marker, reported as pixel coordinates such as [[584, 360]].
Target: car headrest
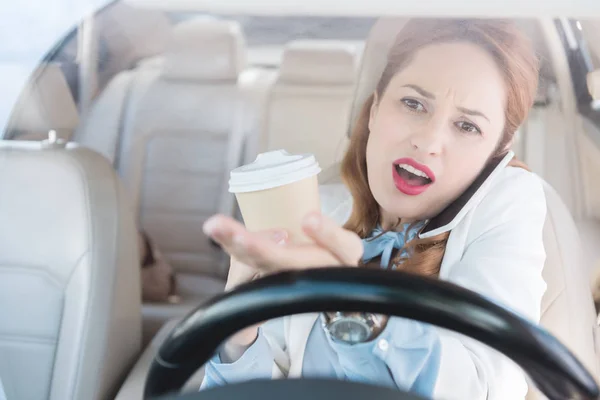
[[316, 62], [205, 49], [46, 103]]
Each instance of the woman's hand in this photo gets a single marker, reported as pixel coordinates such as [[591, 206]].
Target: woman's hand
[[333, 245], [240, 273], [257, 253]]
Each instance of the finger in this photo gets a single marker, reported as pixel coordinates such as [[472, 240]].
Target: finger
[[269, 257], [223, 229], [344, 244], [229, 233]]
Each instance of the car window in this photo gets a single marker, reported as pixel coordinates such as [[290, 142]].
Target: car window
[[262, 30], [176, 118]]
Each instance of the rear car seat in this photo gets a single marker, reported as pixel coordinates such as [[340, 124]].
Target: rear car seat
[[173, 132], [70, 306], [129, 34], [334, 203], [45, 104], [309, 105]]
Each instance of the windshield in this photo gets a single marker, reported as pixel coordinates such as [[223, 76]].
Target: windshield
[[458, 150]]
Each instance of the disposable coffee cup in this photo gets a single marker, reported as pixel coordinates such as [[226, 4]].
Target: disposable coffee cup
[[277, 191]]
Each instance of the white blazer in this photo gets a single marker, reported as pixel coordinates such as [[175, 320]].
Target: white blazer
[[495, 248]]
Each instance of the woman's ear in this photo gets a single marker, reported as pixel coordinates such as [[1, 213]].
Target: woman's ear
[[373, 110]]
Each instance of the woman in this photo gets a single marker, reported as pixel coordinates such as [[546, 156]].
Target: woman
[[435, 191]]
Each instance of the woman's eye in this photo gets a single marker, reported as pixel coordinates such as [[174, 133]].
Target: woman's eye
[[414, 105], [468, 127]]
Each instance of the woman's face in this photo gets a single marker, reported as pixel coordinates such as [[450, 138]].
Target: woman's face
[[433, 130]]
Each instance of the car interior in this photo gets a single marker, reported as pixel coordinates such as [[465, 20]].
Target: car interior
[[175, 101]]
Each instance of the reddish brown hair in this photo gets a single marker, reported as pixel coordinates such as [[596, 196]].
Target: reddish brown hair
[[515, 57]]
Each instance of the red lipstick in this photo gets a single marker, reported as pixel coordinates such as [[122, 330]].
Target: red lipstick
[[411, 187]]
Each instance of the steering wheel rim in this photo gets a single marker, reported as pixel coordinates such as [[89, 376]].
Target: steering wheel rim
[[552, 367]]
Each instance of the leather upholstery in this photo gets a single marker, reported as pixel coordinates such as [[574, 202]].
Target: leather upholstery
[[567, 307], [309, 105], [192, 289], [568, 310], [174, 130], [318, 62], [46, 103], [133, 387], [69, 275], [220, 44]]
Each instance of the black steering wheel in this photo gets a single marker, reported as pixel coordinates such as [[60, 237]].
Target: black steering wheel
[[553, 369]]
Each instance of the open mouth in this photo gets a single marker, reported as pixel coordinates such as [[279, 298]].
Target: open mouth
[[412, 178]]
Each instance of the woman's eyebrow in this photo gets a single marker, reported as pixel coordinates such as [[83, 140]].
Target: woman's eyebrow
[[421, 91], [472, 112], [431, 96]]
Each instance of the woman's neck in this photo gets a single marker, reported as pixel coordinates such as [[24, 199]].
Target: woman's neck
[[390, 222]]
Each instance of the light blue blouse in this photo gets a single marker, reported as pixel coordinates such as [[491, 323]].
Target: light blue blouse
[[405, 355]]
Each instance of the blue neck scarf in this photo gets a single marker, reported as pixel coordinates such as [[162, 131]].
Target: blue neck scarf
[[382, 244]]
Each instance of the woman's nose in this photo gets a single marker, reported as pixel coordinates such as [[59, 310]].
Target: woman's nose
[[429, 140]]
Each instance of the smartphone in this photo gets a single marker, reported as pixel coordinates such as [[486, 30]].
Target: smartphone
[[453, 213]]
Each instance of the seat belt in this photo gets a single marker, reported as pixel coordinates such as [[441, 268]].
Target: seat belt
[[125, 108]]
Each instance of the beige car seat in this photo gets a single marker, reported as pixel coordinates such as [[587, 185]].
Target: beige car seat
[[69, 275], [46, 103], [173, 133], [311, 100]]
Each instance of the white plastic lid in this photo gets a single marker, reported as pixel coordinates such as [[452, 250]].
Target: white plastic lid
[[272, 169]]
